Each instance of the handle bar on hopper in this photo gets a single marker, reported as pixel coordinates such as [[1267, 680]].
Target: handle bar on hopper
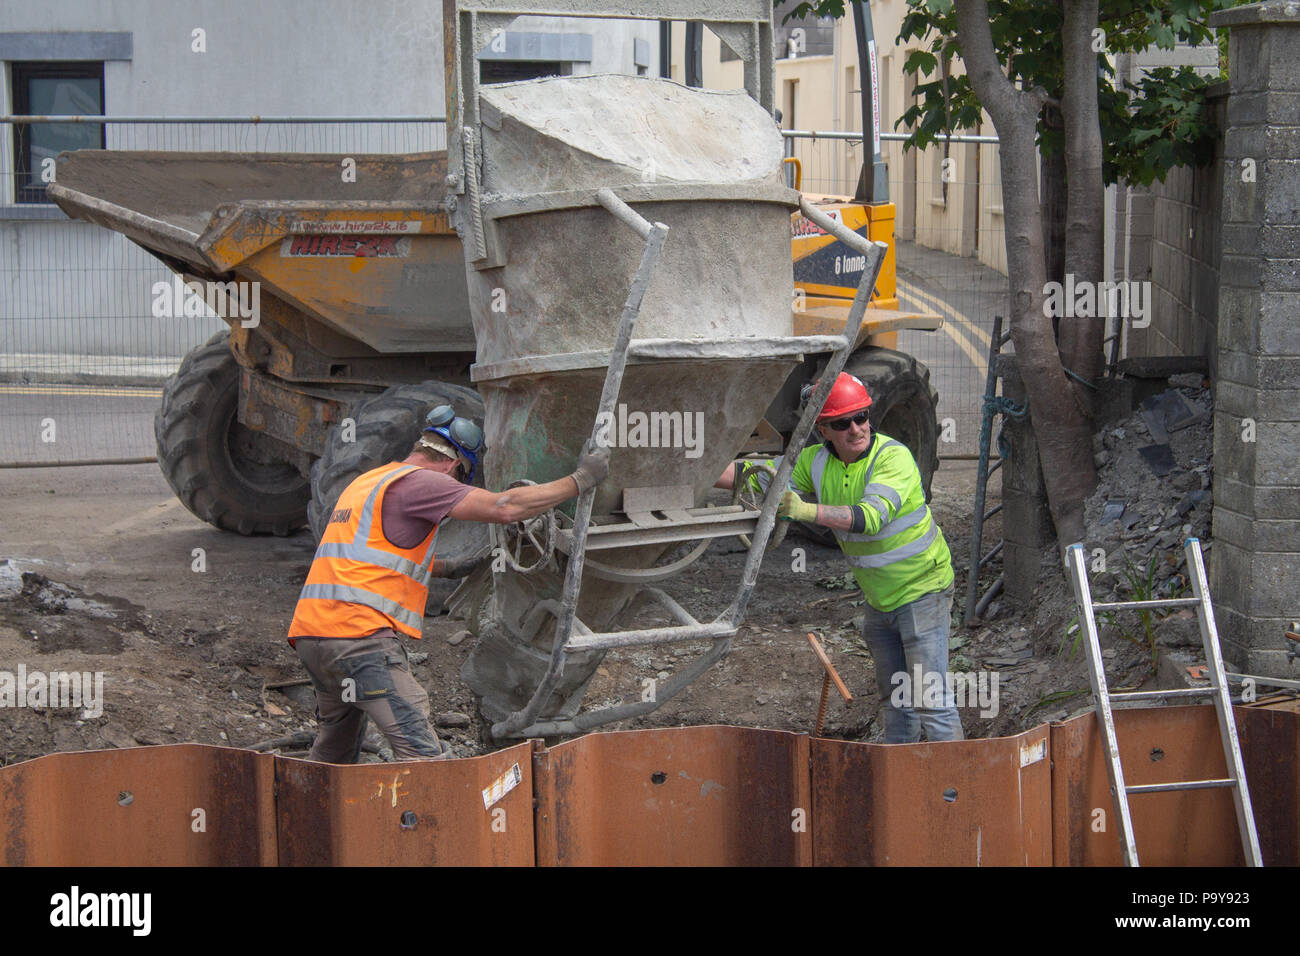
[[654, 235], [721, 631], [729, 620], [875, 253]]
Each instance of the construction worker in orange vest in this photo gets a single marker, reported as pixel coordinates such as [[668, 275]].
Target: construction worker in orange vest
[[369, 582]]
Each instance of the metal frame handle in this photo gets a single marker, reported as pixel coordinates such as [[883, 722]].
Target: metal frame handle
[[654, 235]]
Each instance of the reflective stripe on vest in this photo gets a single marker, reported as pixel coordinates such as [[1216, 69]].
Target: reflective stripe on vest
[[907, 557], [902, 552], [901, 523], [359, 581], [339, 592]]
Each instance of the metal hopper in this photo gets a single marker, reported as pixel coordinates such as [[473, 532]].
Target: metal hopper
[[627, 248]]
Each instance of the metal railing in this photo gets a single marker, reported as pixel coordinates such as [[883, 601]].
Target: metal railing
[[78, 340]]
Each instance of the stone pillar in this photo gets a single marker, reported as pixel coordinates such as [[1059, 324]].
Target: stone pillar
[[1255, 561]]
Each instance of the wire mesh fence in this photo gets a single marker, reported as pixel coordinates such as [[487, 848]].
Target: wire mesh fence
[[82, 352], [950, 254], [83, 356]]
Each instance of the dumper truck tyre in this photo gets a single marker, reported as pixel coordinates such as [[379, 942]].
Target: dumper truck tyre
[[223, 472], [385, 428], [904, 405]]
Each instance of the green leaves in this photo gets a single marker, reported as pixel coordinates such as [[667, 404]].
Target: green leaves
[[1147, 129], [920, 61], [823, 8], [1165, 123]]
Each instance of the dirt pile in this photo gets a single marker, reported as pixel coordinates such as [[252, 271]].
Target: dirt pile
[[1154, 491]]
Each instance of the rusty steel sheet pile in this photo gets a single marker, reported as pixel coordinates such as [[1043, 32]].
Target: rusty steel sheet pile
[[699, 796], [957, 803], [408, 813], [1195, 827], [685, 796], [180, 805]]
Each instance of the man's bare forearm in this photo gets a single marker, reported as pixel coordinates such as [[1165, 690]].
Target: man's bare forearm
[[514, 504], [531, 500]]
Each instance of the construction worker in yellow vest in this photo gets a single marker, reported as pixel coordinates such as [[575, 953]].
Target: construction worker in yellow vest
[[369, 582], [867, 489]]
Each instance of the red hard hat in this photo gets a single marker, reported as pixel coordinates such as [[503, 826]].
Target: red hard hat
[[848, 395]]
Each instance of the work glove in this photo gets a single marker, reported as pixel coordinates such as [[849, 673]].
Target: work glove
[[593, 468], [794, 508]]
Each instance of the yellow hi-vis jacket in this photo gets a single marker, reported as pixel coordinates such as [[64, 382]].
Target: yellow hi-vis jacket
[[901, 554], [359, 581]]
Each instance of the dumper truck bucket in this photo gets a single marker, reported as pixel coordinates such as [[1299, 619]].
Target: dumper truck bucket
[[374, 259]]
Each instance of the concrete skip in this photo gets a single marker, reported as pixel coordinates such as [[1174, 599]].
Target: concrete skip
[[708, 165], [687, 796]]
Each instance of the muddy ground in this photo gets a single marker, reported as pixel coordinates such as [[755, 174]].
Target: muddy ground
[[109, 573]]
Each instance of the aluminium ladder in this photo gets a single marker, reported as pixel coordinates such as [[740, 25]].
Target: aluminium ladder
[[1218, 690]]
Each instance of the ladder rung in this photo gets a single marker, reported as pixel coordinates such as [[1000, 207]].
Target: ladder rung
[[696, 525], [1156, 694], [651, 635], [1182, 785], [1168, 602]]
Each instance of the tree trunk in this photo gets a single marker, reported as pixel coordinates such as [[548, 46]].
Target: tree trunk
[[1063, 431], [1052, 179], [1054, 212], [1081, 336]]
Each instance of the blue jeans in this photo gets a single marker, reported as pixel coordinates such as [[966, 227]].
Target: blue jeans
[[911, 636]]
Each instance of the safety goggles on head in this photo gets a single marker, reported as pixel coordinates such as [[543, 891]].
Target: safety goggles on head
[[842, 424], [463, 433]]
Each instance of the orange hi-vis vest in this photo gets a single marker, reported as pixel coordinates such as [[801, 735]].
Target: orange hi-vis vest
[[360, 582]]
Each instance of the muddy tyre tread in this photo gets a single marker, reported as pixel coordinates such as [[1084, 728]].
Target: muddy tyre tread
[[192, 450], [386, 427]]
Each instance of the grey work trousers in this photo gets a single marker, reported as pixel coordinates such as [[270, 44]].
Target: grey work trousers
[[360, 677]]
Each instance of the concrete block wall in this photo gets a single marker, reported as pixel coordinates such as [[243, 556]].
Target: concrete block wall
[[1255, 562], [1178, 252]]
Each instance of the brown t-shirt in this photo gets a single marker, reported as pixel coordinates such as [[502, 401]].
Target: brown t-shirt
[[413, 504], [416, 502]]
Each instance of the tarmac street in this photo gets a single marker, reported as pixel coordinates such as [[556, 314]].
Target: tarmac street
[[71, 423]]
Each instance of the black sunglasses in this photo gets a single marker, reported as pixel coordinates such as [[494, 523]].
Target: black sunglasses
[[842, 424]]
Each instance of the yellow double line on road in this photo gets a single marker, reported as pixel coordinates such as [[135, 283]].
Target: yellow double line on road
[[953, 318], [109, 391]]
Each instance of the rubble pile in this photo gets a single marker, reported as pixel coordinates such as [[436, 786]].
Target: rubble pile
[[1154, 491], [1154, 473]]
